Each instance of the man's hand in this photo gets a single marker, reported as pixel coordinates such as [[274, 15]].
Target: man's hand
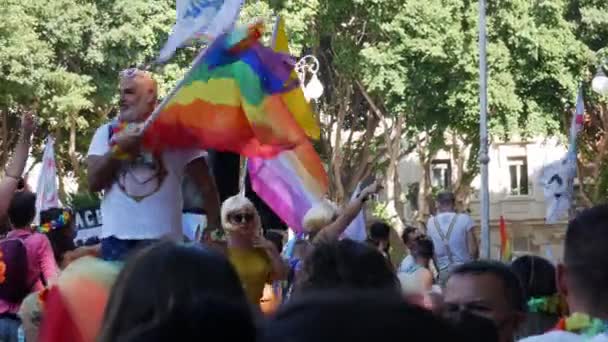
[[265, 244], [370, 190], [129, 143], [28, 124]]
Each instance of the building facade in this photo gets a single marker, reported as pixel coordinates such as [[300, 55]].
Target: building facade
[[516, 192]]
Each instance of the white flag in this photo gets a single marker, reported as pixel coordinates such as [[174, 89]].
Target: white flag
[[356, 229], [558, 178], [197, 18], [46, 191]]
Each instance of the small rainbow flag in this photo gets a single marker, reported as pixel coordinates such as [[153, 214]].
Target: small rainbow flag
[[231, 101], [505, 244]]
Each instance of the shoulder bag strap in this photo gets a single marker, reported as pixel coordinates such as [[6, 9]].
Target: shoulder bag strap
[[446, 237]]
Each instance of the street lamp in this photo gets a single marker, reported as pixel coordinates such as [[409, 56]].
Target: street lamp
[[600, 82], [314, 88]]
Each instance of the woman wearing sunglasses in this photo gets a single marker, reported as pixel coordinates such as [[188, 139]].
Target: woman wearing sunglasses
[[256, 259]]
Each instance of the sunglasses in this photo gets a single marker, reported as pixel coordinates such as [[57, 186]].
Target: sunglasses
[[241, 218]]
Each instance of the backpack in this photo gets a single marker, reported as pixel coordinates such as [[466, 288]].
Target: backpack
[[13, 280]]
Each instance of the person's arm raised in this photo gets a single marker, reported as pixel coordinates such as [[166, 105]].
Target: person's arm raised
[[14, 170], [336, 228]]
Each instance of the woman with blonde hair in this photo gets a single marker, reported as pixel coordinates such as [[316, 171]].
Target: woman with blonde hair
[[255, 259]]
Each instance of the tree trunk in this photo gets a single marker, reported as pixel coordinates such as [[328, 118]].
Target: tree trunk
[[72, 150], [5, 144]]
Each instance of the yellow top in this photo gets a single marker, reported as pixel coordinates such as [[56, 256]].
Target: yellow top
[[254, 269]]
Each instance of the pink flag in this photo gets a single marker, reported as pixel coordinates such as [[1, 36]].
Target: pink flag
[[291, 183]]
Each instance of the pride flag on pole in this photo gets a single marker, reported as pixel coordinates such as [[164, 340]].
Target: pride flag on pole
[[505, 244], [295, 180], [294, 99], [230, 101]]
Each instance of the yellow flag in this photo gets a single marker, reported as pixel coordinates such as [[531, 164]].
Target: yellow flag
[[295, 100]]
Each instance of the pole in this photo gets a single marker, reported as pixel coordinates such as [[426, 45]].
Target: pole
[[484, 159]]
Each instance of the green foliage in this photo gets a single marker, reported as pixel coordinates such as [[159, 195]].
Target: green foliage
[[83, 200], [416, 59], [379, 211]]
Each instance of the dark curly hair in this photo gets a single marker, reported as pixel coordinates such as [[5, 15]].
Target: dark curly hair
[[346, 264]]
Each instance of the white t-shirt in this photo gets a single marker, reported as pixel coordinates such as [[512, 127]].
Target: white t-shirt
[[457, 239], [564, 336], [145, 201]]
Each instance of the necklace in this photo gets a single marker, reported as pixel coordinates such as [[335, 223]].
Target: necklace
[[583, 324]]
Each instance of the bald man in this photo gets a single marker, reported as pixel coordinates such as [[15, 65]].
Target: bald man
[[142, 199]]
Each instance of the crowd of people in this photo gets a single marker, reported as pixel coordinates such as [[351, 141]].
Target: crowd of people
[[240, 281]]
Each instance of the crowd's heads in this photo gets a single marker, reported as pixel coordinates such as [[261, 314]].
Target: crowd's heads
[[583, 278], [346, 264], [537, 275], [22, 209], [380, 230], [473, 327], [423, 248], [58, 225], [353, 316], [409, 235], [319, 216], [168, 288], [138, 95], [488, 289], [446, 201], [239, 215]]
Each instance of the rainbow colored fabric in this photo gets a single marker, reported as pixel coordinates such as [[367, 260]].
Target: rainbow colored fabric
[[505, 243], [291, 183], [295, 180], [231, 101], [74, 307]]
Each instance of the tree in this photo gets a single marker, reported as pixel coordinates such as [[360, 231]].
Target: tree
[[590, 20]]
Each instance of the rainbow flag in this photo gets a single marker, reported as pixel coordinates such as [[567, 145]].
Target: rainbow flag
[[505, 244], [294, 99], [77, 302], [291, 183], [231, 100], [295, 180]]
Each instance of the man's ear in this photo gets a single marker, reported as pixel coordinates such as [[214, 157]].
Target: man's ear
[[152, 97]]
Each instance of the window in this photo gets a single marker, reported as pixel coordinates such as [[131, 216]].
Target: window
[[518, 175], [441, 173]]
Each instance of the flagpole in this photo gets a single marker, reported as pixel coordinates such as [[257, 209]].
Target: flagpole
[[169, 96], [484, 159]]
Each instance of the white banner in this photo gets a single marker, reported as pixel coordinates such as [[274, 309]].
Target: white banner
[[46, 190], [196, 18], [356, 229]]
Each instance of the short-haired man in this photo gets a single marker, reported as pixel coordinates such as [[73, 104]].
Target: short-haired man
[[488, 289], [379, 238], [452, 234], [583, 279], [142, 191], [409, 236]]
